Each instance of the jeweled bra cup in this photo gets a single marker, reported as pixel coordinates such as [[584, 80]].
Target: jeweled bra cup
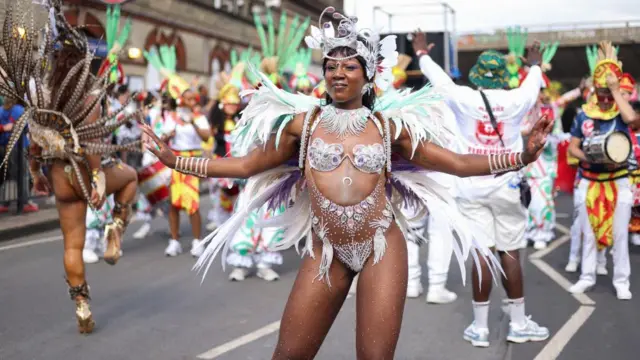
[[328, 157]]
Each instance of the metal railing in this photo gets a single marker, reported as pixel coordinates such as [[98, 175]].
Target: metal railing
[[15, 188]]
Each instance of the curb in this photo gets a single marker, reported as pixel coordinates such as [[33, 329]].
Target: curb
[[29, 229], [45, 225]]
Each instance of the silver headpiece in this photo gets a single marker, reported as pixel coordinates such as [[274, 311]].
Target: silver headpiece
[[380, 55]]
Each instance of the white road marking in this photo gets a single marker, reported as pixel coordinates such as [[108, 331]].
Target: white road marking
[[562, 215], [242, 340], [554, 245], [560, 340], [557, 343], [32, 242], [563, 229], [561, 280]]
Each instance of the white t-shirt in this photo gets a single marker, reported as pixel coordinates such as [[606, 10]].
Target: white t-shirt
[[509, 107], [186, 137]]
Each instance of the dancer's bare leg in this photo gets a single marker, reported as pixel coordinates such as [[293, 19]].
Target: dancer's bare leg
[[72, 210], [196, 225], [312, 307], [382, 289]]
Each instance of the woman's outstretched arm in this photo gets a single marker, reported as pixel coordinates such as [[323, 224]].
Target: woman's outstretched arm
[[436, 158], [261, 159]]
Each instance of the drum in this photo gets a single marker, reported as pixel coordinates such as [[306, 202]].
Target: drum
[[153, 182], [609, 148]]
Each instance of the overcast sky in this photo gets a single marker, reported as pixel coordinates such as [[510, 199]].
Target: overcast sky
[[488, 15]]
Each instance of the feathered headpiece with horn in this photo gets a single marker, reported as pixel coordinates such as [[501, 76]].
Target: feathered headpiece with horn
[[165, 61], [115, 43]]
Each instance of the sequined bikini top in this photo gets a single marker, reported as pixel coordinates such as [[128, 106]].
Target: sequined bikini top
[[326, 157]]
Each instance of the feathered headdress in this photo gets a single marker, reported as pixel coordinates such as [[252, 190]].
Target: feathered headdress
[[607, 63], [517, 43], [165, 61], [58, 118], [299, 66], [230, 85], [276, 52], [379, 55], [115, 43]]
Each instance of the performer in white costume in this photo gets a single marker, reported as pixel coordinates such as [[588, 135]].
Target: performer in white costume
[[490, 121]]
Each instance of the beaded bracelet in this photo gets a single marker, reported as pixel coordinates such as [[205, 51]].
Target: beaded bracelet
[[192, 166], [502, 163]]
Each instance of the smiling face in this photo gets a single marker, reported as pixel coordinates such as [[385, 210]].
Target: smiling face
[[344, 79]]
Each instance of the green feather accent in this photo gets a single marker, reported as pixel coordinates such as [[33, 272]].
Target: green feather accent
[[261, 34], [110, 28], [592, 57], [272, 33], [234, 57], [124, 34], [281, 32], [153, 58]]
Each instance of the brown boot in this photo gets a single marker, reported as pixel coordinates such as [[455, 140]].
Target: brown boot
[[84, 317]]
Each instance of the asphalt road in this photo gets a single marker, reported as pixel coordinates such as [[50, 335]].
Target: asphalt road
[[153, 307]]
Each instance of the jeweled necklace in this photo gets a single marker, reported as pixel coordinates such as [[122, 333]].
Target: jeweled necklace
[[344, 123]]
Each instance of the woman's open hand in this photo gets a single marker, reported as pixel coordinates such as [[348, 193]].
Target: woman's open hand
[[537, 139], [158, 147]]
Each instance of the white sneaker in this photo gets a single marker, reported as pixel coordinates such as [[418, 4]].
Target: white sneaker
[[539, 245], [173, 249], [197, 248], [623, 293], [267, 274], [531, 331], [89, 256], [239, 274], [142, 232], [602, 270], [571, 267], [414, 289], [440, 296], [580, 287], [635, 239], [476, 336], [212, 226]]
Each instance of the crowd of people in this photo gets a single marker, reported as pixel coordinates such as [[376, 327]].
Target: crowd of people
[[362, 168]]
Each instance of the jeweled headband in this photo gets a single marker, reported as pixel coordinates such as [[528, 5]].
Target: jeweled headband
[[380, 55]]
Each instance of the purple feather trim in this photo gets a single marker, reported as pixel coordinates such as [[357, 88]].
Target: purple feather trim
[[401, 164], [411, 199], [281, 195]]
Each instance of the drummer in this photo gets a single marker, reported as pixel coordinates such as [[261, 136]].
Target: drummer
[[604, 194]]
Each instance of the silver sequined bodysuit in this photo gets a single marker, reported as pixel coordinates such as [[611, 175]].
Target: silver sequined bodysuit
[[355, 229]]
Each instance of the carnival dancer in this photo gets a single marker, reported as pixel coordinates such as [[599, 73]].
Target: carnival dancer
[[630, 93], [331, 167], [186, 130], [604, 192], [62, 114], [490, 120]]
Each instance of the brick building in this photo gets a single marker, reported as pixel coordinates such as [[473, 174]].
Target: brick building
[[203, 31]]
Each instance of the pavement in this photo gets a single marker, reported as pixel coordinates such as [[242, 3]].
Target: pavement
[[149, 306]]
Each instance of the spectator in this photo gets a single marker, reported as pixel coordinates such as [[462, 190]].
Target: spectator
[[9, 114]]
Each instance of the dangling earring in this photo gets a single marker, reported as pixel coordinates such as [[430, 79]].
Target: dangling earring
[[366, 88]]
